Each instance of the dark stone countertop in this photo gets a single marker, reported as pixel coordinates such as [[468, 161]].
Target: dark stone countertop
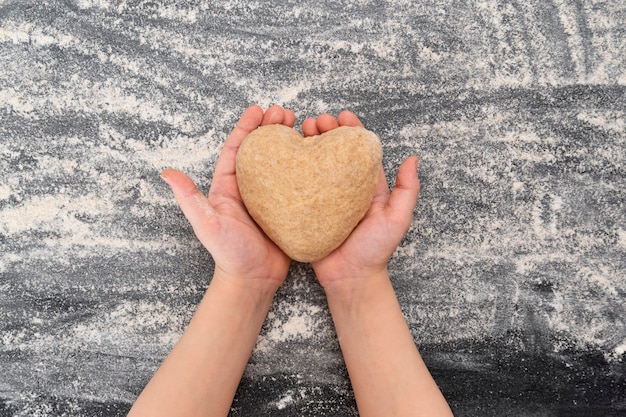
[[512, 277]]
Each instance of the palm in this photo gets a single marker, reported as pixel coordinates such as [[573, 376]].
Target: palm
[[221, 221], [373, 241], [367, 248]]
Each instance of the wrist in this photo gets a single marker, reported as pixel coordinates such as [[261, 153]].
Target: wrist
[[253, 292], [356, 288], [346, 268]]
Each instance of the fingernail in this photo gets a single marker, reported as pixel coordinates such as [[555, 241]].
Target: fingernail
[[164, 177]]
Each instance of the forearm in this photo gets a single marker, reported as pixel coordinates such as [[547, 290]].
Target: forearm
[[387, 372], [201, 374]]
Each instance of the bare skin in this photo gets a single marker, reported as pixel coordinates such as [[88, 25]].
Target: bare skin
[[386, 370], [201, 374]]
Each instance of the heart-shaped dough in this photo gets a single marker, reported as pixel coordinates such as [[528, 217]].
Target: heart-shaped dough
[[308, 194]]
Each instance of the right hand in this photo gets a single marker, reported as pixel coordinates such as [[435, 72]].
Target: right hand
[[365, 253]]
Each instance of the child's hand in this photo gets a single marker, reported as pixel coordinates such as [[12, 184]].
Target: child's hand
[[240, 249], [387, 372], [370, 245]]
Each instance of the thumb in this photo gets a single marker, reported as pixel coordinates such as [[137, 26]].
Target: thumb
[[193, 203], [403, 198]]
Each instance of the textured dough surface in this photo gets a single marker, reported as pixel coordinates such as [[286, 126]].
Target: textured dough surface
[[308, 194]]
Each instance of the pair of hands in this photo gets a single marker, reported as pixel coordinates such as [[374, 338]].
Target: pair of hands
[[201, 374], [246, 257]]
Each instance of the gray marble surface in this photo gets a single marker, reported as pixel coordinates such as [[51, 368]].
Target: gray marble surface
[[512, 277]]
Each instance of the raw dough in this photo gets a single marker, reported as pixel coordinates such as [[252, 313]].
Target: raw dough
[[308, 194]]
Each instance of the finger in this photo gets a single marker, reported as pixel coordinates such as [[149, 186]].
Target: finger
[[382, 192], [193, 203], [403, 198], [347, 118], [309, 127], [273, 116], [290, 118], [326, 122], [250, 120]]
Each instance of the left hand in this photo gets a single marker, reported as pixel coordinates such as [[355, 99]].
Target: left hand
[[241, 250]]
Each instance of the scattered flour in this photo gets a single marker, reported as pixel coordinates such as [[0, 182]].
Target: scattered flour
[[133, 327], [298, 321], [285, 401], [291, 397]]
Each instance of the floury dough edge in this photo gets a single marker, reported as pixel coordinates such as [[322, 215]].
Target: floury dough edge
[[308, 193]]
